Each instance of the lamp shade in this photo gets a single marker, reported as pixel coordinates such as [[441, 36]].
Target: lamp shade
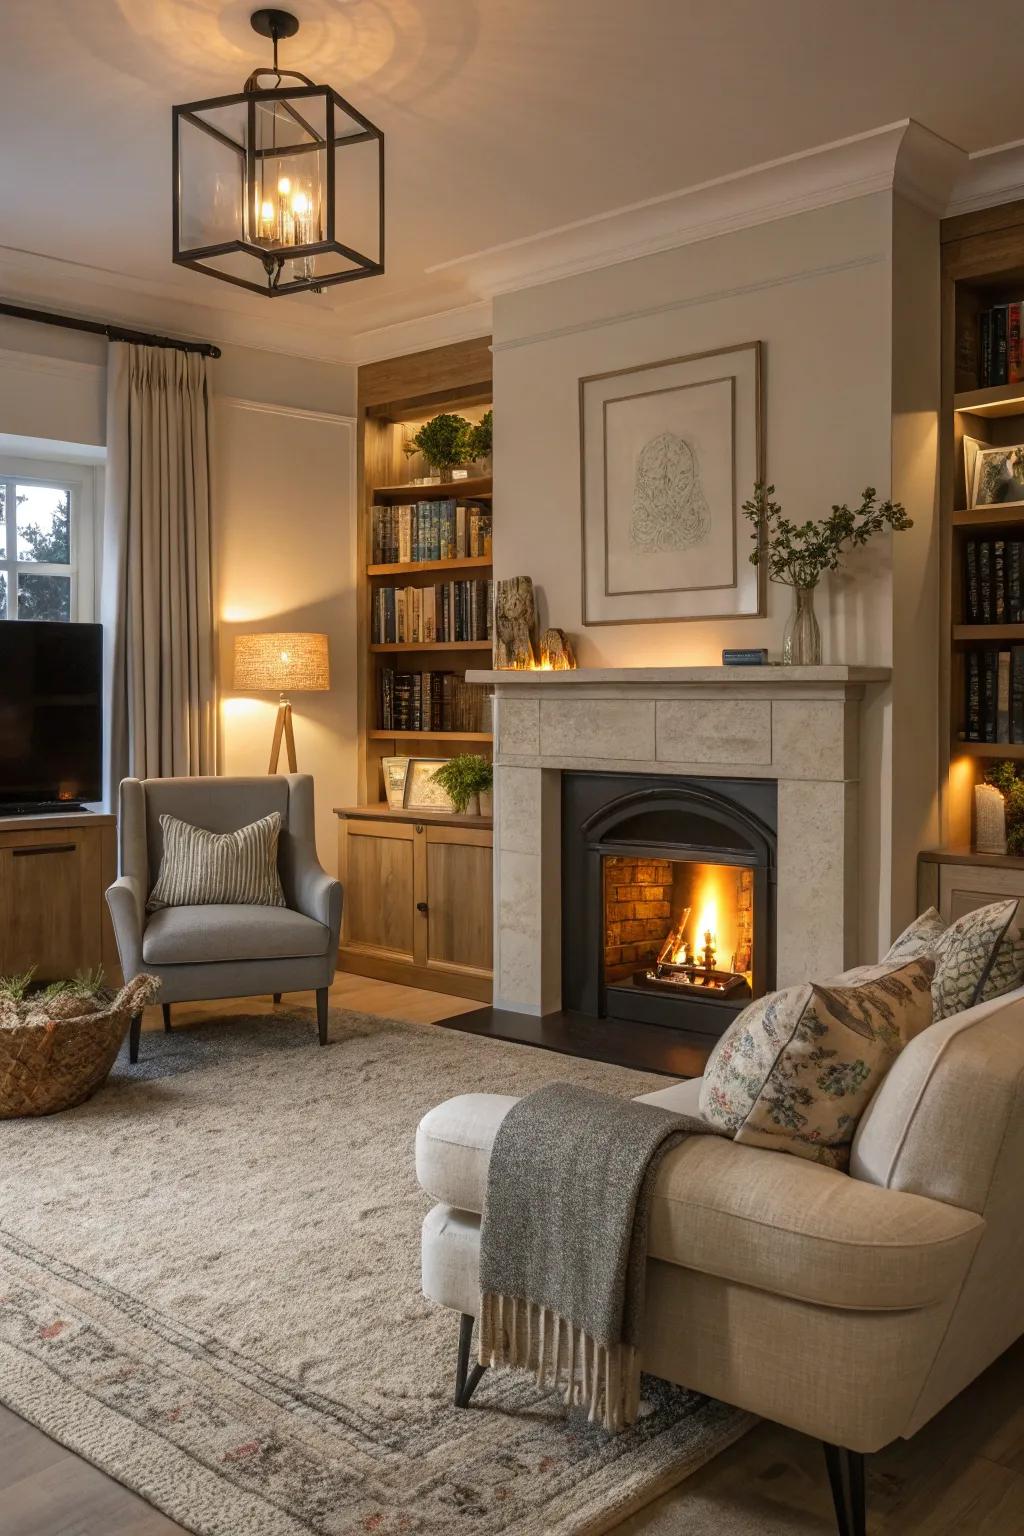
[[281, 663]]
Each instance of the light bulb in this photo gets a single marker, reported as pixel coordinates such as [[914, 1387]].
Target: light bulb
[[267, 212], [300, 204], [284, 186]]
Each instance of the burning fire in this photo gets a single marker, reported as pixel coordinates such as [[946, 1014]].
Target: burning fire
[[714, 902]]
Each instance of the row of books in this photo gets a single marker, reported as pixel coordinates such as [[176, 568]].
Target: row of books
[[430, 530], [1000, 345], [994, 695], [449, 610], [431, 701], [994, 581]]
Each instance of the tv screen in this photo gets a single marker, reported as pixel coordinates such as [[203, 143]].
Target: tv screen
[[51, 717]]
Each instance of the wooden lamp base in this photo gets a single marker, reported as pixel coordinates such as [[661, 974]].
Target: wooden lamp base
[[283, 729]]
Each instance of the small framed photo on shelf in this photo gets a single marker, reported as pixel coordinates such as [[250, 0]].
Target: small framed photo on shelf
[[998, 476], [422, 793], [972, 447], [396, 770]]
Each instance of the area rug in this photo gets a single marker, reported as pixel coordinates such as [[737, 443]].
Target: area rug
[[209, 1287]]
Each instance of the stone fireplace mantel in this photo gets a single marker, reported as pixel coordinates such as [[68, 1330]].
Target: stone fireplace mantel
[[798, 726]]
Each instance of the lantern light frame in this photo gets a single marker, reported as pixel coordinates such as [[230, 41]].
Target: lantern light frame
[[277, 24]]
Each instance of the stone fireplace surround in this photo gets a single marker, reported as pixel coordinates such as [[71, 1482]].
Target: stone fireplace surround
[[797, 725]]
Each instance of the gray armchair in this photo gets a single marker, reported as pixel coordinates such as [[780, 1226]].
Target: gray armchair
[[206, 952]]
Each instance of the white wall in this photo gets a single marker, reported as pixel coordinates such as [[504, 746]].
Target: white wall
[[817, 289], [284, 514], [285, 559]]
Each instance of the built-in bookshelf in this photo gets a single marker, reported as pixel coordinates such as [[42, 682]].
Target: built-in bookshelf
[[982, 545], [422, 622]]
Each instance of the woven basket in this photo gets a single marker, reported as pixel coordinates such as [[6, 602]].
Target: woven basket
[[55, 1056]]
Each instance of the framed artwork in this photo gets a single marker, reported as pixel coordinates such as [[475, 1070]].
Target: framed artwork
[[999, 476], [669, 452], [395, 772], [421, 791], [972, 447]]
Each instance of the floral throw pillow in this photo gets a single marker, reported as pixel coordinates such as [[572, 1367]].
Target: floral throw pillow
[[976, 958], [798, 1068]]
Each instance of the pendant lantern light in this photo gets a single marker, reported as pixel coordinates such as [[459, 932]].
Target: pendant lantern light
[[280, 188]]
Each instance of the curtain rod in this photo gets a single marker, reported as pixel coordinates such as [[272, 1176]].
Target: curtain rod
[[111, 332]]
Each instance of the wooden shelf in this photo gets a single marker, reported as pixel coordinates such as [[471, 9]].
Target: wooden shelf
[[380, 812], [479, 489], [1012, 749], [990, 517], [425, 567], [989, 632], [435, 645], [999, 400], [968, 856], [379, 735]]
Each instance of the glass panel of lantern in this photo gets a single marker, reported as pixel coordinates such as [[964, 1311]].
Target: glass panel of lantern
[[358, 192], [211, 169]]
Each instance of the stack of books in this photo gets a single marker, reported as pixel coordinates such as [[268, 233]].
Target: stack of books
[[448, 610], [994, 581], [430, 530], [994, 695], [1000, 345], [431, 701]]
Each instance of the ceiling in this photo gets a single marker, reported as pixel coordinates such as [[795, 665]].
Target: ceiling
[[504, 118]]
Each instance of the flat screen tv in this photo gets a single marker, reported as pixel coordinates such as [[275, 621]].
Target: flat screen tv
[[51, 714]]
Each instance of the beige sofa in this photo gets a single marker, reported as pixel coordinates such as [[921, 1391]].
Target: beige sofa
[[851, 1307]]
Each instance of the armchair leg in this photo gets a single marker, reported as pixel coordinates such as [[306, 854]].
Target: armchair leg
[[466, 1380], [277, 998], [321, 1013], [134, 1031], [167, 1017], [846, 1475]]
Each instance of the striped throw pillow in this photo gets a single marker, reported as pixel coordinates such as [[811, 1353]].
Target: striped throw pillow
[[201, 868]]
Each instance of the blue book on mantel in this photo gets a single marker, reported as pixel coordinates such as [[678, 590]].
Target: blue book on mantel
[[752, 658]]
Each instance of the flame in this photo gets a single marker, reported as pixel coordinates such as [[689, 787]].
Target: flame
[[712, 911]]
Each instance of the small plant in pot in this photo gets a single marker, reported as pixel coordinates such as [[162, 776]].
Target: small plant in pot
[[481, 439], [467, 780], [799, 554], [444, 441]]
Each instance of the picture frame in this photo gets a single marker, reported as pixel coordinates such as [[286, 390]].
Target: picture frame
[[421, 792], [396, 771], [972, 446], [999, 476], [669, 451]]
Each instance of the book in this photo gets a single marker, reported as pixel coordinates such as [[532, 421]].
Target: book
[[999, 340], [985, 349], [1003, 696], [1014, 348], [972, 702], [1017, 693], [999, 581], [1014, 581], [989, 694], [971, 608], [753, 657], [985, 606]]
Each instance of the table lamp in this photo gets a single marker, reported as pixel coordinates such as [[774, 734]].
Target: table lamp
[[282, 663]]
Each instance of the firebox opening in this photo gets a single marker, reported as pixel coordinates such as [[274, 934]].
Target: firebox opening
[[679, 926]]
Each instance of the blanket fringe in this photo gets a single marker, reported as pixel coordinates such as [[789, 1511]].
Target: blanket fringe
[[602, 1378]]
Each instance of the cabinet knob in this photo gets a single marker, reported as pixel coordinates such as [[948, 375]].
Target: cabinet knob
[[421, 906], [419, 826]]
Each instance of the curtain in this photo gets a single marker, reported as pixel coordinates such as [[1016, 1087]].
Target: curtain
[[157, 593]]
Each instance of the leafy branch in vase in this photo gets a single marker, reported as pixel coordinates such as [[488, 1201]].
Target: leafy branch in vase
[[797, 554]]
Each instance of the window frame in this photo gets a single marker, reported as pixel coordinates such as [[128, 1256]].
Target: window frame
[[79, 481]]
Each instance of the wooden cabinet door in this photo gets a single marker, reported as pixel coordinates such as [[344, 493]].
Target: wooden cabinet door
[[963, 887], [51, 901], [454, 928], [377, 872]]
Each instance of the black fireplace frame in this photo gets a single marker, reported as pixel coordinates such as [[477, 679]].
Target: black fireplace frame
[[597, 806]]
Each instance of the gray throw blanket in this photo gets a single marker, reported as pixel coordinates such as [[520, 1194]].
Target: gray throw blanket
[[563, 1243]]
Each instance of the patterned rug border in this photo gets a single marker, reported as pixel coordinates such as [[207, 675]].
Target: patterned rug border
[[172, 1479]]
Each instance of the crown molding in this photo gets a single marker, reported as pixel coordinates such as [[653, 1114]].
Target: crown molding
[[902, 155], [990, 177]]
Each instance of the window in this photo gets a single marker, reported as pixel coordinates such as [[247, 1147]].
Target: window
[[46, 541]]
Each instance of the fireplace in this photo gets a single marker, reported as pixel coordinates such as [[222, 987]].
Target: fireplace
[[668, 897]]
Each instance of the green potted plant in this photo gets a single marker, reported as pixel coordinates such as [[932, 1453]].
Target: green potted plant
[[481, 438], [444, 441], [467, 780], [798, 554]]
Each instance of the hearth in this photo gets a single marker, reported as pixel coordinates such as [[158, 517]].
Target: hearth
[[668, 897]]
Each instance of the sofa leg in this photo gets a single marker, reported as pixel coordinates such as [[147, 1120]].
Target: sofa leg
[[134, 1031], [466, 1380], [167, 1017], [277, 998], [846, 1475], [321, 1013]]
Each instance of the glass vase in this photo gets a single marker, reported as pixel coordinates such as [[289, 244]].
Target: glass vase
[[801, 639]]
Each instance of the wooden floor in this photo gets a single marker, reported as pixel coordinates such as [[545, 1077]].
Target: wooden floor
[[963, 1475]]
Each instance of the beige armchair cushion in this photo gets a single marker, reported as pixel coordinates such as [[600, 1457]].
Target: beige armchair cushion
[[776, 1223], [201, 935]]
